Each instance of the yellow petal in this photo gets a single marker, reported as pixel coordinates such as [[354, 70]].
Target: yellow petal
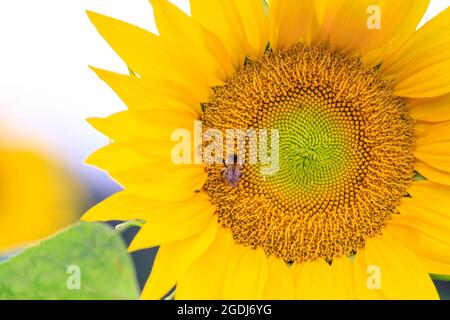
[[145, 164], [241, 25], [142, 94], [432, 109], [123, 155], [116, 156], [410, 17], [186, 40], [173, 259], [345, 25], [423, 238], [433, 145], [419, 239], [421, 65], [421, 128], [430, 36], [435, 132], [435, 155], [222, 18], [204, 279], [147, 175], [402, 274], [434, 195], [121, 206], [398, 20], [435, 267], [137, 47], [432, 174], [174, 221], [424, 223], [145, 53], [318, 280], [246, 275], [366, 286], [280, 281], [255, 24], [326, 13], [159, 124], [431, 81], [162, 181], [142, 151], [290, 21]]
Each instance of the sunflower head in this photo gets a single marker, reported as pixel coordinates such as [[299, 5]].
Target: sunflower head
[[346, 153], [351, 114]]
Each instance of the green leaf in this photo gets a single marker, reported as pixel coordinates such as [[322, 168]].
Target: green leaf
[[441, 277], [85, 261]]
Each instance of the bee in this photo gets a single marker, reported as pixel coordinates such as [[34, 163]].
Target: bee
[[232, 171]]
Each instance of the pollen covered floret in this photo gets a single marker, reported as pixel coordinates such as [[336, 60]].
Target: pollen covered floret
[[345, 153]]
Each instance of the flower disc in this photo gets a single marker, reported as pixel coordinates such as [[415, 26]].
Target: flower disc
[[346, 158]]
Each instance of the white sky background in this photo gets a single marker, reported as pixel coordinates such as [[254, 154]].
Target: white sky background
[[46, 87]]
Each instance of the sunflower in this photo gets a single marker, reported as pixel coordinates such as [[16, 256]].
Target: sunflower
[[358, 207], [36, 197]]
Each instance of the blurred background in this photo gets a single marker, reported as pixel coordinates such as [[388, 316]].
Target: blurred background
[[46, 93]]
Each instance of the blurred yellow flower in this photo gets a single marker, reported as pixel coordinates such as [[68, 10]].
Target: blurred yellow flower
[[36, 198]]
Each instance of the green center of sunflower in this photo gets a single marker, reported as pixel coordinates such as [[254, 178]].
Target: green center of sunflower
[[315, 145], [345, 150]]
